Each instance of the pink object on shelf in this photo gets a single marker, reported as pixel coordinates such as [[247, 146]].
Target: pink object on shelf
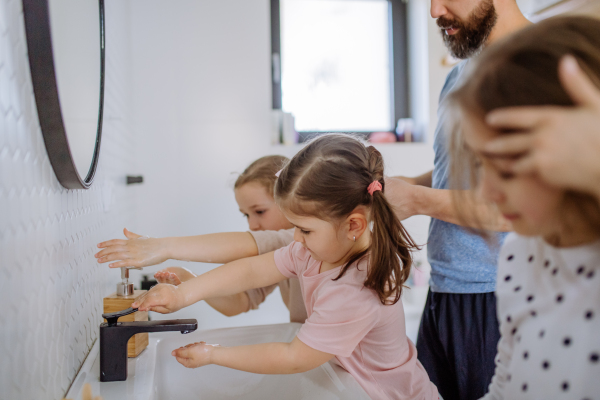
[[382, 137]]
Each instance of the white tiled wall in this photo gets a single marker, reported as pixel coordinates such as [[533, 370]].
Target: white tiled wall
[[51, 289]]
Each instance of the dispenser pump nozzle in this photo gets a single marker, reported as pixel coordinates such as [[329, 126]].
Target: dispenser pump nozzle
[[124, 288]]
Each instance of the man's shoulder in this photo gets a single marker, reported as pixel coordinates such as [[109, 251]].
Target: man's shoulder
[[452, 78]]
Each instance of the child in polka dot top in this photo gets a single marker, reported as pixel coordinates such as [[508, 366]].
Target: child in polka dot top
[[548, 286]]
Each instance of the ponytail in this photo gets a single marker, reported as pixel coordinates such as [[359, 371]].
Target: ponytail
[[390, 258]]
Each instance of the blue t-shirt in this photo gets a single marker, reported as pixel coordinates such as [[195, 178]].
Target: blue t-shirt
[[461, 261]]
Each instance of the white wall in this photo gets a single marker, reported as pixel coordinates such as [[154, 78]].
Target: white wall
[[202, 113], [51, 288], [202, 101]]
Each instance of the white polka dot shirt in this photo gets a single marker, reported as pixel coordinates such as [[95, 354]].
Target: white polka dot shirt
[[548, 302]]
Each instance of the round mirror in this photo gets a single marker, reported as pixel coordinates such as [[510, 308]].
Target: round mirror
[[65, 40]]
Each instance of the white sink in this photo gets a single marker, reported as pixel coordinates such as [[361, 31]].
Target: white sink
[[156, 375]]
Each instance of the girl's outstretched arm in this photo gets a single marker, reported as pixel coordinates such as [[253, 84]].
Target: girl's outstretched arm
[[229, 279], [226, 305], [266, 358], [142, 251]]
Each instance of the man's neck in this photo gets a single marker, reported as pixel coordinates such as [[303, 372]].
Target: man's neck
[[510, 20]]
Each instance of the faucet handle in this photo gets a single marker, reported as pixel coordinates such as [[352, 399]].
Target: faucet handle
[[113, 317]]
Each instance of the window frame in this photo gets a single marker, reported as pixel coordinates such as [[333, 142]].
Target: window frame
[[400, 68]]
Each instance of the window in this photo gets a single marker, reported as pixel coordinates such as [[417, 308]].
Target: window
[[340, 65]]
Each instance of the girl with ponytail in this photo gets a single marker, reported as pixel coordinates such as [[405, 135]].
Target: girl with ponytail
[[351, 255]]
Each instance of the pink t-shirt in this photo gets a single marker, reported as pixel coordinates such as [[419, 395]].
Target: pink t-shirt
[[346, 319]]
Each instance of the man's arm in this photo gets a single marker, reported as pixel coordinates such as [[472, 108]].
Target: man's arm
[[408, 200], [421, 180]]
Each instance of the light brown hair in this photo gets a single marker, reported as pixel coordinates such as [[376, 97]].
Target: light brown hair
[[328, 179], [262, 171], [522, 70]]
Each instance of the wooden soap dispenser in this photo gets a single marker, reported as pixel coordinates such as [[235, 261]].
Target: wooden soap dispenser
[[122, 299]]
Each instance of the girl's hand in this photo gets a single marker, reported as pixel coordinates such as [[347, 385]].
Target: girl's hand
[[194, 355], [162, 298], [137, 251], [174, 275], [560, 144]]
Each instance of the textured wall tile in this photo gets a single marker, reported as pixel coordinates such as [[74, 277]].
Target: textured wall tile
[[51, 287]]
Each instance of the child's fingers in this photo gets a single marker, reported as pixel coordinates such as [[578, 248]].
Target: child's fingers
[[166, 276], [113, 242], [139, 302], [186, 362], [174, 279], [86, 392], [125, 263], [159, 299], [162, 277], [186, 351], [112, 252], [131, 235]]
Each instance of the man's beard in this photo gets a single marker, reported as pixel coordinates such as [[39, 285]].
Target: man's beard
[[473, 33]]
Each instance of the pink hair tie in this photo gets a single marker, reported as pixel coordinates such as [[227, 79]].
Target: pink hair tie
[[278, 172], [374, 187]]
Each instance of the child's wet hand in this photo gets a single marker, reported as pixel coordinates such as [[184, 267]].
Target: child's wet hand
[[162, 298], [194, 355], [174, 275], [164, 276], [135, 251]]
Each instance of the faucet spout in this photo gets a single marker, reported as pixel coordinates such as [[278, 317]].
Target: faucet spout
[[114, 336]]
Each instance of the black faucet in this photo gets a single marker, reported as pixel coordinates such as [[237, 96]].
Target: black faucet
[[114, 336]]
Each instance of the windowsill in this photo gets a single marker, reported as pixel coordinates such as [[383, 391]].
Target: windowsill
[[304, 137]]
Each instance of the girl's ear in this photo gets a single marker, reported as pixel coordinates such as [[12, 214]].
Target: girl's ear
[[357, 223]]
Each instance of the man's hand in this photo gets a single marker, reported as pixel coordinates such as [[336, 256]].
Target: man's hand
[[135, 251], [560, 144], [401, 196]]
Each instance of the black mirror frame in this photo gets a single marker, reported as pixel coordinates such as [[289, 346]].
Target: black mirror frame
[[41, 63]]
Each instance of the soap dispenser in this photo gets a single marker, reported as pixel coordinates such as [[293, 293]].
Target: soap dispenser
[[122, 299]]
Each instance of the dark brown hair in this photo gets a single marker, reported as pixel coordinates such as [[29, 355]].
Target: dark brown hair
[[522, 70], [328, 179], [262, 171]]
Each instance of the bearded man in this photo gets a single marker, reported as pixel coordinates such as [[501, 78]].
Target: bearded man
[[459, 331]]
